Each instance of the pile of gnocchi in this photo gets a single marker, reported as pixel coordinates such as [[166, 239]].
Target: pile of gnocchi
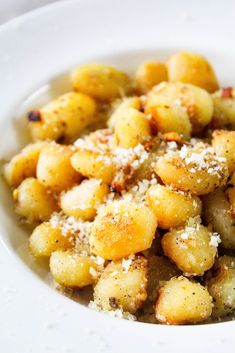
[[129, 185]]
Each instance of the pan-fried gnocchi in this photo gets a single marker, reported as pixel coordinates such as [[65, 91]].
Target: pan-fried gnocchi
[[122, 285], [94, 164], [64, 118], [224, 108], [128, 188], [23, 165], [197, 170], [99, 81], [54, 169], [72, 270], [224, 144], [45, 239], [221, 287], [194, 101], [150, 74], [217, 213], [167, 115], [192, 248], [83, 200], [120, 108], [122, 229], [33, 201], [172, 208], [188, 67], [132, 129], [182, 301]]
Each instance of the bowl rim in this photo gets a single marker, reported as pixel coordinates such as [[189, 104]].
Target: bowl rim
[[32, 21]]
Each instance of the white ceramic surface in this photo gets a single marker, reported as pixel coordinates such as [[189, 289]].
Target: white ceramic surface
[[34, 49], [12, 8]]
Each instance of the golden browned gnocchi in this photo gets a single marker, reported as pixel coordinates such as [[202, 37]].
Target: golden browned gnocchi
[[167, 115], [94, 164], [120, 108], [172, 208], [132, 129], [182, 301], [197, 170], [33, 201], [101, 81], [72, 270], [64, 118], [224, 145], [45, 239], [188, 67], [194, 101], [150, 74], [23, 165], [83, 200], [217, 213], [192, 248], [54, 168], [224, 108], [129, 190], [221, 287], [122, 285], [121, 229]]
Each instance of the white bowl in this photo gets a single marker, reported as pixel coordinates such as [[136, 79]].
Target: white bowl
[[34, 50]]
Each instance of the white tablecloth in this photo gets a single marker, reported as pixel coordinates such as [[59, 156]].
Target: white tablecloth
[[12, 8]]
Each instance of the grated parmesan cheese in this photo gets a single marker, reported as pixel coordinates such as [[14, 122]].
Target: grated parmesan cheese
[[126, 264], [134, 157], [74, 226], [215, 240], [118, 313], [202, 157]]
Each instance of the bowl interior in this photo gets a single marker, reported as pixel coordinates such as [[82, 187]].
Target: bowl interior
[[15, 136]]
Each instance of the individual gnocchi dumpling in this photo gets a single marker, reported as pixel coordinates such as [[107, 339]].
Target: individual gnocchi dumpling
[[122, 285], [194, 169], [224, 108], [188, 67], [100, 81], [83, 200], [72, 270], [94, 164], [64, 118], [217, 212], [149, 74], [223, 143], [45, 239], [120, 109], [192, 248], [132, 129], [167, 116], [33, 202], [196, 102], [54, 168], [182, 301], [121, 229], [23, 165], [221, 287], [172, 208]]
